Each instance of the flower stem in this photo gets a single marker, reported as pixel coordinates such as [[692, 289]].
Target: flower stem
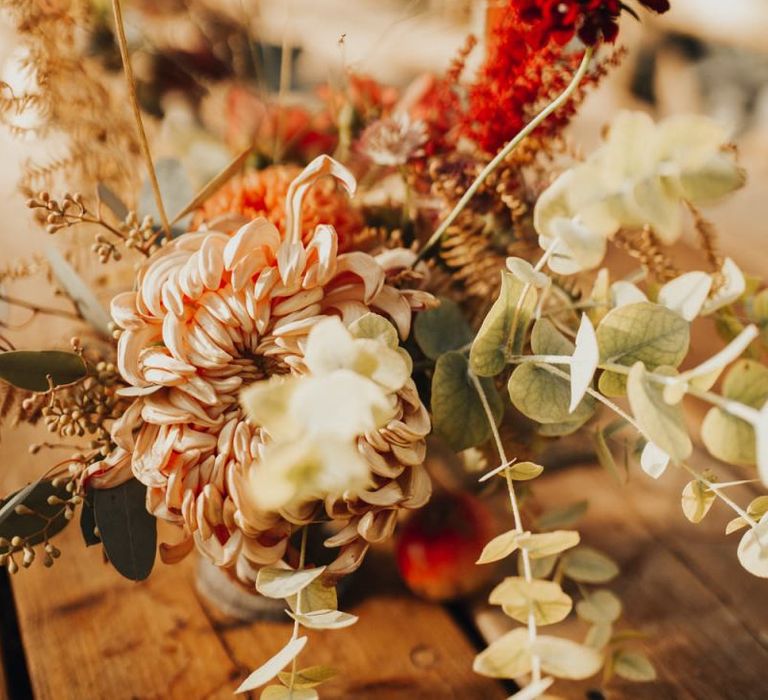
[[123, 44], [527, 573], [302, 558], [504, 152]]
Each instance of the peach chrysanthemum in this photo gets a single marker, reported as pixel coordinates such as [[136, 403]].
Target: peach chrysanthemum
[[213, 313], [263, 192]]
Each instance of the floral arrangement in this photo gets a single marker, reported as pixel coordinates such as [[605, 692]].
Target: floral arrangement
[[279, 346]]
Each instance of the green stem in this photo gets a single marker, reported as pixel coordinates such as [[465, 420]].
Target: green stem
[[302, 558], [504, 152], [527, 572]]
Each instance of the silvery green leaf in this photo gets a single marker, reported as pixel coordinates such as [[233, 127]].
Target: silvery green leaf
[[686, 294], [283, 583], [77, 290], [267, 671], [583, 362], [654, 460]]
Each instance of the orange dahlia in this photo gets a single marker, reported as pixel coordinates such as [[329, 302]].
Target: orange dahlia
[[262, 193], [213, 313]]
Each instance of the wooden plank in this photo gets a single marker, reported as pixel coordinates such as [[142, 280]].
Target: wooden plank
[[90, 634], [400, 648], [699, 640]]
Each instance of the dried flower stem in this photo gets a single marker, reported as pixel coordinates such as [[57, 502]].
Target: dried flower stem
[[527, 572], [504, 152], [40, 309], [123, 44]]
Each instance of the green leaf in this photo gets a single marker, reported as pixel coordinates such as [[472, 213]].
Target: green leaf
[[507, 657], [518, 598], [457, 410], [269, 670], [524, 471], [545, 544], [587, 565], [128, 531], [283, 583], [35, 497], [78, 291], [112, 202], [599, 635], [27, 369], [504, 328], [547, 340], [753, 549], [605, 456], [375, 327], [725, 436], [643, 332], [442, 329], [562, 517], [696, 501], [612, 384], [598, 607], [540, 568], [176, 190], [563, 658], [499, 547], [541, 396], [316, 596], [309, 677], [324, 619], [633, 666], [663, 424]]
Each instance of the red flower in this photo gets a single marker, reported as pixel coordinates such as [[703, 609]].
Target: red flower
[[592, 20]]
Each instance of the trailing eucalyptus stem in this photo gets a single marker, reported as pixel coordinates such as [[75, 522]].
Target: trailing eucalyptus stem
[[499, 158], [123, 44], [295, 634], [525, 557]]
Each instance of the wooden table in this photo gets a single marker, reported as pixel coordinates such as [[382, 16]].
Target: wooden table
[[87, 634]]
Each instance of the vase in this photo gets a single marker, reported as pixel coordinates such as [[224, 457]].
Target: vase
[[233, 599]]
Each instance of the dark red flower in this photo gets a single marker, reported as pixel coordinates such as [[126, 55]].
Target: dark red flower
[[592, 20]]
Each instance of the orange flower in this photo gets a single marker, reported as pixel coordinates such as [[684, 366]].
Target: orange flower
[[262, 193]]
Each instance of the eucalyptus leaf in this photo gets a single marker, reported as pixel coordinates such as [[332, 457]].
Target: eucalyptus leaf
[[663, 424], [633, 666], [544, 544], [499, 547], [586, 565], [29, 369], [76, 289], [269, 670], [128, 530], [519, 598], [309, 677], [505, 327], [725, 436], [442, 329], [324, 619], [544, 397], [753, 549], [112, 202], [562, 517], [599, 606], [280, 692], [524, 471], [283, 583], [457, 410], [599, 635], [316, 596], [564, 658], [48, 519], [507, 657], [643, 332], [696, 501], [176, 190]]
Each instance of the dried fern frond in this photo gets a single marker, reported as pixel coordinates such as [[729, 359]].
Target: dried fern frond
[[645, 247]]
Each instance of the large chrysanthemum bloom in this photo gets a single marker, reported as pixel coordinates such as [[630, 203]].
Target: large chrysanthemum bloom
[[213, 313], [261, 193]]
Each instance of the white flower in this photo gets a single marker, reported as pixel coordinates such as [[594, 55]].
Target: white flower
[[637, 178], [314, 420], [393, 140]]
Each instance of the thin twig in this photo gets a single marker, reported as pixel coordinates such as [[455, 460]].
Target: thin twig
[[40, 309], [123, 44], [504, 152]]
